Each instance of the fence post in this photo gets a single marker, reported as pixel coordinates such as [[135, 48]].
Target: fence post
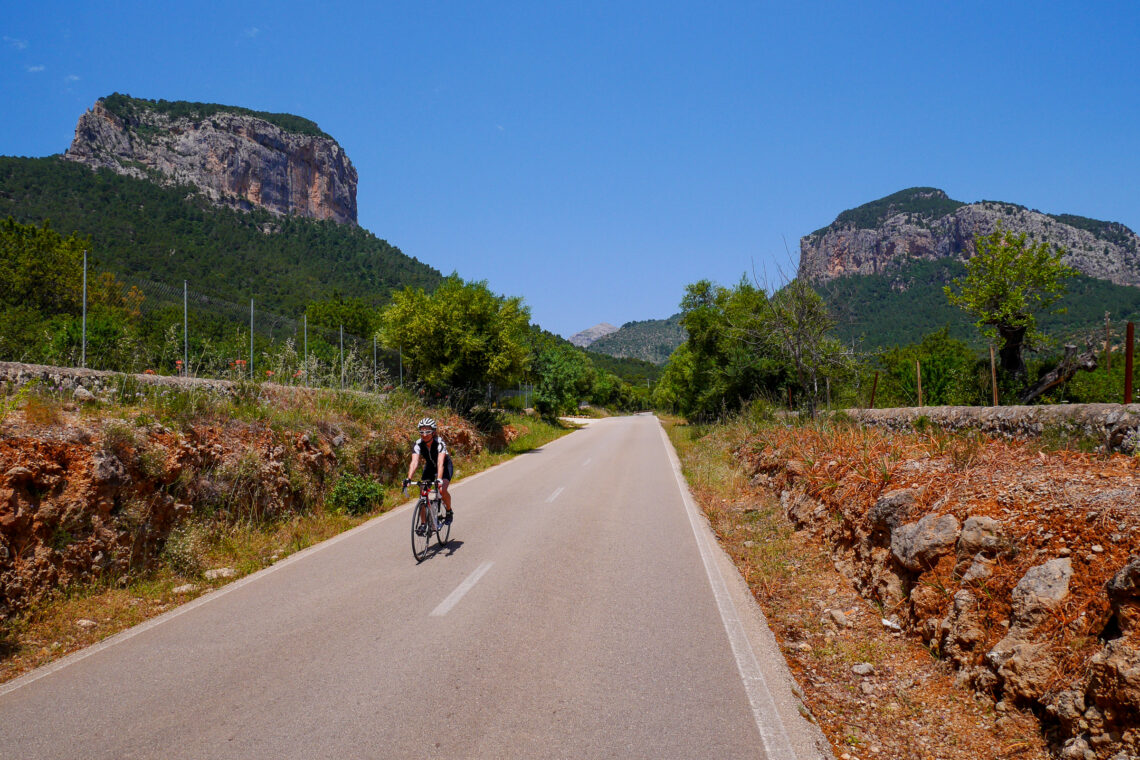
[[401, 366], [993, 374], [251, 339], [1130, 334], [83, 339], [185, 332], [918, 376], [1107, 344], [306, 320], [342, 357], [373, 362], [874, 387]]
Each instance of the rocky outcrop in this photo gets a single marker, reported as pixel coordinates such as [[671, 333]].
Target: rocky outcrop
[[1015, 566], [899, 234], [235, 158], [588, 336]]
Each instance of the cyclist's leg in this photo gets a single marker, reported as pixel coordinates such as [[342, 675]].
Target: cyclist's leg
[[445, 481]]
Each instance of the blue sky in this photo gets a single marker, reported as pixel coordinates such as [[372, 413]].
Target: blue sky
[[596, 157]]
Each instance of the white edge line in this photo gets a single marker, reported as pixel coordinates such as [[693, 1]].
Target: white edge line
[[554, 495], [454, 597], [773, 734], [130, 633]]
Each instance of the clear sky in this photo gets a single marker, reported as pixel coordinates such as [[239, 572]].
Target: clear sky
[[596, 157]]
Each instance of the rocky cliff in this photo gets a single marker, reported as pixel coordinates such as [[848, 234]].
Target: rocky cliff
[[588, 336], [923, 223], [236, 157]]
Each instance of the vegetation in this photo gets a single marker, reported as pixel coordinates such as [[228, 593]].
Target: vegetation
[[901, 306], [1007, 281], [925, 204], [129, 109], [141, 230], [651, 340], [461, 338]]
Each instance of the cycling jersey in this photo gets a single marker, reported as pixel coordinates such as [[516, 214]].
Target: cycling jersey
[[431, 456]]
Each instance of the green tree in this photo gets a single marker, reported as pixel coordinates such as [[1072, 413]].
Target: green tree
[[40, 269], [1008, 280], [354, 314], [565, 377], [460, 338]]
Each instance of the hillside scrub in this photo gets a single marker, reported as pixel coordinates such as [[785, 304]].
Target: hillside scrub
[[1013, 563], [138, 492]]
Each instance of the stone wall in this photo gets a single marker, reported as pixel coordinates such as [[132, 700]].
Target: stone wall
[[1111, 425]]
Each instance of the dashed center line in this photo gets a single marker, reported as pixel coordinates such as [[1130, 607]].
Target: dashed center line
[[554, 495], [454, 597]]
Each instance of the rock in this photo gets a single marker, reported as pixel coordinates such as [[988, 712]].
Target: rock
[[896, 237], [863, 669], [237, 160], [891, 509], [1077, 749], [980, 535], [838, 618], [1041, 589], [980, 569], [917, 546], [188, 588], [219, 573], [82, 394], [891, 624], [86, 624], [1124, 596], [1024, 667]]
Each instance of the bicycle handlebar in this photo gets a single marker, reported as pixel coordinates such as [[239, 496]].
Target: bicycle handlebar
[[423, 484]]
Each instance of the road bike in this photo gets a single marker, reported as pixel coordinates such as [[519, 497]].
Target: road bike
[[428, 519]]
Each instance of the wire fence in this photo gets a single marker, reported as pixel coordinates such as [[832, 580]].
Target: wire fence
[[136, 325]]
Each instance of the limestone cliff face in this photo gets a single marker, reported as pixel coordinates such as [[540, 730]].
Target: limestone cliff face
[[237, 159], [900, 233]]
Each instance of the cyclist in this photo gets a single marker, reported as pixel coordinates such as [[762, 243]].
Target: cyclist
[[433, 451]]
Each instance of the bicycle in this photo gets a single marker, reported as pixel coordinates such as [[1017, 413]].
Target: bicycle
[[427, 518]]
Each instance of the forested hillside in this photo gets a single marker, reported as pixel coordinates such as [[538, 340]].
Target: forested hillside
[[900, 307], [169, 234], [651, 340]]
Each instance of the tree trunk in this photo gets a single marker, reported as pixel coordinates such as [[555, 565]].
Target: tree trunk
[[1069, 366], [1013, 338]]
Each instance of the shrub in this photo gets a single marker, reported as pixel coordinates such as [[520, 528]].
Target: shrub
[[356, 495]]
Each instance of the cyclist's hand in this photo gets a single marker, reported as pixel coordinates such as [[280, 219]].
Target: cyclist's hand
[[407, 482]]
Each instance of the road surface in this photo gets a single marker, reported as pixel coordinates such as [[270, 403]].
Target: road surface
[[581, 610]]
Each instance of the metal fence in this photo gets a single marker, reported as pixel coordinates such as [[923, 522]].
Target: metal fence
[[137, 325]]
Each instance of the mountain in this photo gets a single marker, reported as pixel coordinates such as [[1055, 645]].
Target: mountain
[[652, 340], [924, 224], [234, 156], [588, 336], [168, 233]]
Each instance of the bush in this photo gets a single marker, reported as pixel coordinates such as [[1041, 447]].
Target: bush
[[356, 495]]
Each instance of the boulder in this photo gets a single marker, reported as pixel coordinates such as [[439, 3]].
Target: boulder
[[891, 509], [1041, 589], [980, 535], [917, 546], [1124, 595]]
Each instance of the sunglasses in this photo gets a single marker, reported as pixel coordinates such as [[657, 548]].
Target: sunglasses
[[426, 432]]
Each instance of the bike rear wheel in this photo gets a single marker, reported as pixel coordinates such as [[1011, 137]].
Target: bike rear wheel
[[421, 531], [444, 531]]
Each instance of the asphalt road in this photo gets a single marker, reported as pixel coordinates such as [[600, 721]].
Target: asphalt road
[[581, 610]]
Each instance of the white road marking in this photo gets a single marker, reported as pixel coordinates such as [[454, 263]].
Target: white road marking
[[454, 597], [773, 734], [554, 495], [588, 460]]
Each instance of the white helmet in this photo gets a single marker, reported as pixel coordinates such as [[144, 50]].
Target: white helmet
[[427, 422]]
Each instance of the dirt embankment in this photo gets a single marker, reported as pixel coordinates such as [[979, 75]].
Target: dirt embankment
[[1017, 566], [86, 496]]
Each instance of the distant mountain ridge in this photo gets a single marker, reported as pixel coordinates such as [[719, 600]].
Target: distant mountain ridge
[[923, 223], [586, 337], [236, 157], [652, 340]]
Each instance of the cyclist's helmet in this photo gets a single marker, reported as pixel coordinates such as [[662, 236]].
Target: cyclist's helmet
[[426, 422]]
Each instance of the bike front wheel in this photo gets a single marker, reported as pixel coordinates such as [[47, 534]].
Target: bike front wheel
[[444, 531], [421, 531]]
